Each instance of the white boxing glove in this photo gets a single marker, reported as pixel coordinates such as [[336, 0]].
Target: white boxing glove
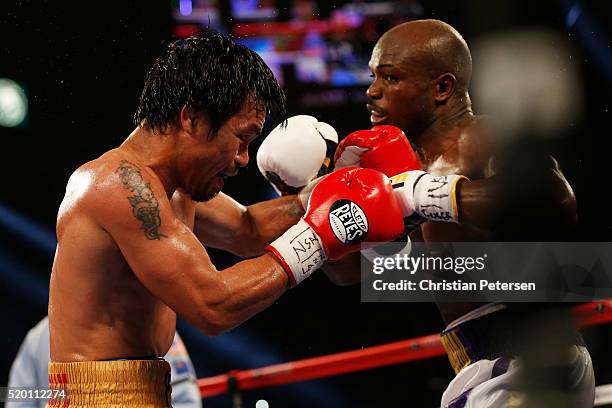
[[291, 156]]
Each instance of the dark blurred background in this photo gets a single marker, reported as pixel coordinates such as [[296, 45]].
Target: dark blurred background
[[81, 66]]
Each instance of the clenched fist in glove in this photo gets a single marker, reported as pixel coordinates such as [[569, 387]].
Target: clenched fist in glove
[[383, 148], [386, 149], [346, 208], [296, 152]]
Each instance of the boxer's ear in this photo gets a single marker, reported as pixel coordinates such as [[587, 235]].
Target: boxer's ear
[[445, 86], [188, 119]]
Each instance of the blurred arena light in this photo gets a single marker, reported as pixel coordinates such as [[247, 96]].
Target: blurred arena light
[[592, 38], [20, 279], [603, 395], [13, 103], [185, 7], [27, 230], [262, 404], [529, 81]]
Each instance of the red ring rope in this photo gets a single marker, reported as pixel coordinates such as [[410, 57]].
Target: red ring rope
[[588, 314]]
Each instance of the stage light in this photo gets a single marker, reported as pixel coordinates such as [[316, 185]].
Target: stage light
[[13, 103], [185, 7]]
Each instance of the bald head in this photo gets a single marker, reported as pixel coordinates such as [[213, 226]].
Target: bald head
[[421, 72], [431, 46]]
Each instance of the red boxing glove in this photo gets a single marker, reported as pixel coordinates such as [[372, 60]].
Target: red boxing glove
[[346, 208], [384, 148]]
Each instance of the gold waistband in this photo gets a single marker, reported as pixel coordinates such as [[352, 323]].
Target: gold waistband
[[126, 383], [457, 354]]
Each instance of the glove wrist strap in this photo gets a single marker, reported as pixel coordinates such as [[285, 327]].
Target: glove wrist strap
[[300, 251], [432, 197]]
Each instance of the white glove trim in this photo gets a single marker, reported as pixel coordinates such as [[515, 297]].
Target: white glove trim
[[300, 251], [421, 192]]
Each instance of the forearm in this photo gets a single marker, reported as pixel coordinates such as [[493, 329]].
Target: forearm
[[447, 198], [476, 201], [268, 220], [224, 223], [242, 291], [543, 192]]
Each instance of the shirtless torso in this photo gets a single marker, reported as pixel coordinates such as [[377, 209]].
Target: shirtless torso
[[108, 313], [465, 147], [461, 150], [130, 255]]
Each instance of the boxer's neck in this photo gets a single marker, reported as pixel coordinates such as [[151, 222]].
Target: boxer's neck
[[445, 128], [157, 151]]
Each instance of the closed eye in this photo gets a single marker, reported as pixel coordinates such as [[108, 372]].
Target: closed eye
[[248, 137]]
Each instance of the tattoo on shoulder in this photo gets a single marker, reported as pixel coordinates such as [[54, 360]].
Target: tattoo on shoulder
[[145, 206]]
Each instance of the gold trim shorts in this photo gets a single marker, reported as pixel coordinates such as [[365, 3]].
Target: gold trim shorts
[[123, 383]]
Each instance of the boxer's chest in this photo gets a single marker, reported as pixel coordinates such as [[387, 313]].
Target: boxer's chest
[[444, 164]]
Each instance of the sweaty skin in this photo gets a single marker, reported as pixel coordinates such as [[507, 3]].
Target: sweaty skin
[[421, 72], [128, 259]]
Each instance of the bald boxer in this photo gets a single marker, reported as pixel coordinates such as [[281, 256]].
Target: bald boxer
[[133, 224], [421, 75], [422, 72]]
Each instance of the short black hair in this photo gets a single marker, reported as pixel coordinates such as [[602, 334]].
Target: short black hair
[[209, 73]]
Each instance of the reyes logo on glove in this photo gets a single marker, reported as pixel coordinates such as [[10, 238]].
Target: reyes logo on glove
[[348, 222]]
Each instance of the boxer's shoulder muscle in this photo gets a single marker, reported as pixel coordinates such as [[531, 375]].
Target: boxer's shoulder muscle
[[471, 152], [470, 156], [98, 188]]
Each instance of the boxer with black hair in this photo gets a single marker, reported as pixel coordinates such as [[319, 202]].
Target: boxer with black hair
[[133, 222]]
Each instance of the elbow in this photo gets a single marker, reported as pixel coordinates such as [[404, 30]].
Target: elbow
[[214, 316], [212, 330], [214, 323]]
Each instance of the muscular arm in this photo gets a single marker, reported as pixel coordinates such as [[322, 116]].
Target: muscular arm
[[540, 188], [532, 196], [476, 201], [170, 261], [245, 231]]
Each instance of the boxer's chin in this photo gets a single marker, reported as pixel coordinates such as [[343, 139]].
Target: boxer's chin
[[202, 197], [206, 194]]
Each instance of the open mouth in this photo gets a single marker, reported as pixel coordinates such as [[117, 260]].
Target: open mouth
[[377, 117]]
